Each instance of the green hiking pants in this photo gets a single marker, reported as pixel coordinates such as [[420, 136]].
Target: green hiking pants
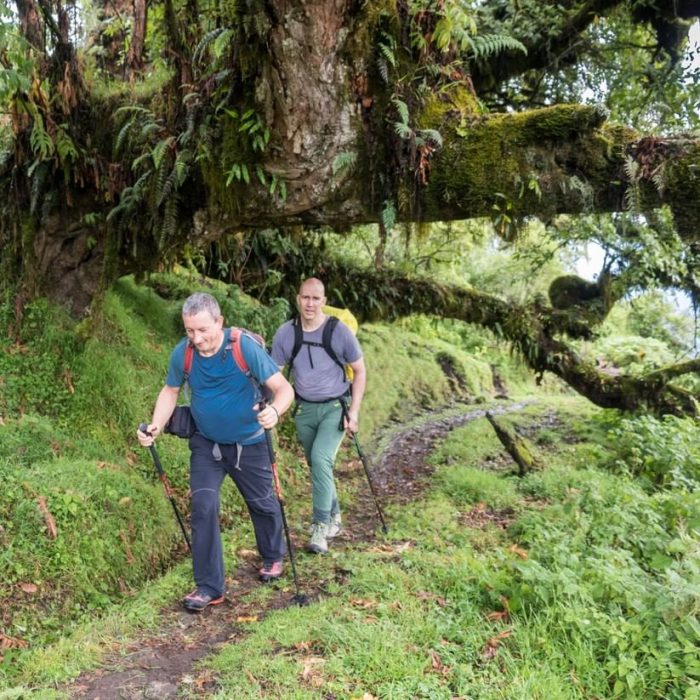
[[318, 429]]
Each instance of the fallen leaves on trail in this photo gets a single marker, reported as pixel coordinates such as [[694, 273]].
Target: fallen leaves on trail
[[398, 548], [246, 553], [10, 643], [436, 665], [247, 618], [427, 595], [491, 647], [518, 550], [312, 670], [48, 518], [366, 696], [500, 615], [363, 603], [30, 588]]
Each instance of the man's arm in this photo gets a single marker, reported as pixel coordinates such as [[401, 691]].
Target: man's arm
[[283, 395], [165, 405], [358, 391]]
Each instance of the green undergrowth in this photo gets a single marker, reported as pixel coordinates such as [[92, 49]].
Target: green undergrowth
[[84, 522], [572, 582]]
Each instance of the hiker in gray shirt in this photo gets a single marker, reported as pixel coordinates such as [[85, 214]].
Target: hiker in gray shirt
[[326, 405]]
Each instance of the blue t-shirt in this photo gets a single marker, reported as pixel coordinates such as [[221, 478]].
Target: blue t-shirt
[[222, 397]]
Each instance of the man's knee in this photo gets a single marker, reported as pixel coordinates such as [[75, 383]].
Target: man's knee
[[322, 460], [267, 507], [205, 504]]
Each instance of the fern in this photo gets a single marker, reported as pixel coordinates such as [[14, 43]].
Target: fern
[[40, 140], [402, 130], [148, 129], [389, 215], [344, 162], [222, 43], [402, 109], [130, 197], [386, 57], [659, 178], [207, 39], [122, 135], [490, 44], [169, 225], [632, 193], [160, 192], [160, 149], [388, 53], [433, 135], [383, 70]]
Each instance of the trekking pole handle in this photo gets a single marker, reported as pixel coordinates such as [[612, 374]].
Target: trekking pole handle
[[143, 427]]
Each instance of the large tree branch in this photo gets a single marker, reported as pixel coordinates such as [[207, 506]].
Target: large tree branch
[[544, 48], [529, 328], [547, 49]]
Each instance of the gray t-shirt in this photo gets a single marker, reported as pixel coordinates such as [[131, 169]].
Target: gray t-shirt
[[317, 377]]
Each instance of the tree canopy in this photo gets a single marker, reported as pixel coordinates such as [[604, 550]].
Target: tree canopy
[[133, 134]]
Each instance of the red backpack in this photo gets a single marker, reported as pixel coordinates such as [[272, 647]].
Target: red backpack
[[234, 346]]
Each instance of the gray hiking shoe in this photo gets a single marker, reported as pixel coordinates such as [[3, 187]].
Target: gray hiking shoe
[[318, 542], [334, 527]]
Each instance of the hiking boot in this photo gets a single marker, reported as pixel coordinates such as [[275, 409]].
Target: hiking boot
[[270, 571], [318, 543], [334, 527], [199, 599]]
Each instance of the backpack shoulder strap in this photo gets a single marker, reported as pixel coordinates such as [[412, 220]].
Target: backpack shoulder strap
[[236, 350], [187, 365], [331, 325], [298, 340]]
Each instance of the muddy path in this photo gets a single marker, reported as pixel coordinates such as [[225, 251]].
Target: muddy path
[[164, 665]]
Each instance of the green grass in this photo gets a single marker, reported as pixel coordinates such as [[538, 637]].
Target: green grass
[[580, 580], [595, 609], [72, 397]]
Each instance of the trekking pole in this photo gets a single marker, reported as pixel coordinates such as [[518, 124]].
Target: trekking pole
[[363, 459], [299, 598], [166, 485]]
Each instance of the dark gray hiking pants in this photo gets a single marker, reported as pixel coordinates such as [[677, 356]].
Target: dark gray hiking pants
[[249, 467]]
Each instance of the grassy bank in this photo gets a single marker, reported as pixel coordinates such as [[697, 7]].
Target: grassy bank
[[85, 523], [569, 583]]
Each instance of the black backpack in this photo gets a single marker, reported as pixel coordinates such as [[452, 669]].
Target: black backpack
[[325, 343]]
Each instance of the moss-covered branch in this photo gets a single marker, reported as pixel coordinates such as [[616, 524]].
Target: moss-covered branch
[[534, 330]]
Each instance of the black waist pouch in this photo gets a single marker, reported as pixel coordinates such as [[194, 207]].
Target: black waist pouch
[[181, 423]]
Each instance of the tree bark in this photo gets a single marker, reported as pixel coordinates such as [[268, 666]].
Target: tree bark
[[138, 36]]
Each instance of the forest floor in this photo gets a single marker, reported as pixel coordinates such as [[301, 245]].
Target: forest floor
[[164, 665]]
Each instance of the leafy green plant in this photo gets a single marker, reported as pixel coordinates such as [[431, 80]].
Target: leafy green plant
[[662, 453]]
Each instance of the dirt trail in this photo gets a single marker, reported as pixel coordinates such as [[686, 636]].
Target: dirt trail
[[163, 665]]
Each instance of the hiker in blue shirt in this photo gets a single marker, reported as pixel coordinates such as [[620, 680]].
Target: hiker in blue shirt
[[229, 439], [326, 408]]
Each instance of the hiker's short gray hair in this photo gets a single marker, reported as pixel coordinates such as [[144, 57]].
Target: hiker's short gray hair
[[201, 301]]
